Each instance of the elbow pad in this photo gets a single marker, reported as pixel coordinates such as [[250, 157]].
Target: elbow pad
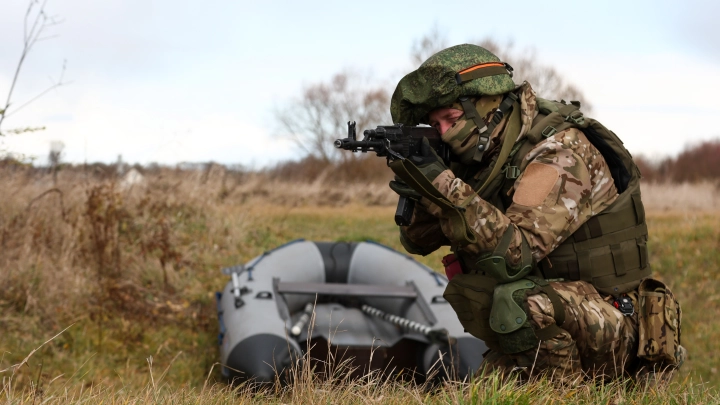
[[495, 265]]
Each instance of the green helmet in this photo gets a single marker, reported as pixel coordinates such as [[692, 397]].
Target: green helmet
[[461, 70]]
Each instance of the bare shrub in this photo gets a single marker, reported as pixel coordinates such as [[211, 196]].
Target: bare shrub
[[320, 115], [37, 22], [650, 170], [88, 245], [105, 215]]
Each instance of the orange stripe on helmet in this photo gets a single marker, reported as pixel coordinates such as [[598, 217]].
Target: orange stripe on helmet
[[480, 66]]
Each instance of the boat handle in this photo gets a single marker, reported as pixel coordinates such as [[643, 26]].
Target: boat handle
[[265, 295], [438, 299]]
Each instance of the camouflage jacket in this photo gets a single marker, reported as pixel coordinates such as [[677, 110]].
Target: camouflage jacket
[[565, 182]]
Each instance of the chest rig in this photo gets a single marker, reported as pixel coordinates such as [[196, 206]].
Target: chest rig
[[609, 250]]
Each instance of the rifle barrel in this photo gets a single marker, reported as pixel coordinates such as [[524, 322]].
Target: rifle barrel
[[349, 144]]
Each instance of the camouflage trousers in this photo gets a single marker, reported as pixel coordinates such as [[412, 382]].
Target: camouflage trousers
[[597, 340]]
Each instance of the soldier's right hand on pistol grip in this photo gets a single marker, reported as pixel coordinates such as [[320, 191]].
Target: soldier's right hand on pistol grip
[[403, 190]]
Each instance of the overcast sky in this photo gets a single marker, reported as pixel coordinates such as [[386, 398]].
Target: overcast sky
[[171, 81]]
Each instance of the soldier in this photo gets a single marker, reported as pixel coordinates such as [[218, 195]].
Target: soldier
[[542, 211]]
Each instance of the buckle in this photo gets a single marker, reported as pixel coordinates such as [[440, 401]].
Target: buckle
[[576, 117], [511, 172], [509, 68], [498, 116], [548, 131]]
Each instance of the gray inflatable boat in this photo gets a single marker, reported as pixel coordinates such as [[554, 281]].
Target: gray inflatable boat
[[360, 301]]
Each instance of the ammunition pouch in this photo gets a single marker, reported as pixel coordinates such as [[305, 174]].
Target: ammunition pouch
[[471, 297], [659, 318]]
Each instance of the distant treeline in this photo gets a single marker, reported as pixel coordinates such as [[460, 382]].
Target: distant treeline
[[700, 162], [361, 169], [697, 163]]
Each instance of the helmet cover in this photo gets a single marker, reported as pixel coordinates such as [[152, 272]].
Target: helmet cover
[[434, 84]]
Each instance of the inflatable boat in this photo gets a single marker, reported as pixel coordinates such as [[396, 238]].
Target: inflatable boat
[[360, 302]]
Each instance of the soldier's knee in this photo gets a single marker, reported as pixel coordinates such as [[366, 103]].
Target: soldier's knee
[[540, 310]]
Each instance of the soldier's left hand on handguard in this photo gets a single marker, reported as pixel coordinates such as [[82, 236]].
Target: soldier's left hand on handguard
[[428, 162]]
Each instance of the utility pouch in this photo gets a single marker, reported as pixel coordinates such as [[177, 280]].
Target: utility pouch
[[471, 296], [659, 318]]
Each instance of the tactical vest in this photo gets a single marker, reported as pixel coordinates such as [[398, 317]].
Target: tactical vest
[[609, 250]]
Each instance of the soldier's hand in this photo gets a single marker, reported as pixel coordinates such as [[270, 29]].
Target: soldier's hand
[[429, 163], [403, 190]]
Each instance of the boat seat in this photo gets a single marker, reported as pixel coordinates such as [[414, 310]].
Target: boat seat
[[348, 290]]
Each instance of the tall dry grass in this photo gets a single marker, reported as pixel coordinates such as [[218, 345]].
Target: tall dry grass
[[132, 266], [681, 197], [341, 386]]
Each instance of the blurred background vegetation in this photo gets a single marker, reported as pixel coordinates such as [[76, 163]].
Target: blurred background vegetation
[[129, 256]]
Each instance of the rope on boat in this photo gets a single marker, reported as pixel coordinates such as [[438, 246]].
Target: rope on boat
[[397, 320], [436, 335]]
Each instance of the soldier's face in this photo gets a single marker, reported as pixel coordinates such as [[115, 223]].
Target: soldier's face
[[443, 118]]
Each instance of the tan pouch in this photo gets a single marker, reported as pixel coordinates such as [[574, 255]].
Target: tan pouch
[[471, 296], [659, 318]]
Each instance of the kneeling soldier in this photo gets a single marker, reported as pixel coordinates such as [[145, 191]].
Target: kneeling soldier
[[542, 211]]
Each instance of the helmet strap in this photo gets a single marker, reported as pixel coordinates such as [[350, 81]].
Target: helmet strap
[[485, 131]]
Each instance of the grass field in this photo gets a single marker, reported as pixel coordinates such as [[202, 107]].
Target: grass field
[[130, 271]]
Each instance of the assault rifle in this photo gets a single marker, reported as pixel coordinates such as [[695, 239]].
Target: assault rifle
[[395, 142]]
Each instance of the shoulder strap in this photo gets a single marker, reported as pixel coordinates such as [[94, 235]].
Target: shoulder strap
[[559, 118], [516, 161], [485, 131], [512, 131]]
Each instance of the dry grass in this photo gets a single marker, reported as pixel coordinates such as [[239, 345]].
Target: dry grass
[[685, 197], [133, 268], [308, 387]]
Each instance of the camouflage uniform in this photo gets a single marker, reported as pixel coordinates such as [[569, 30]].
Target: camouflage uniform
[[566, 181], [597, 340]]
